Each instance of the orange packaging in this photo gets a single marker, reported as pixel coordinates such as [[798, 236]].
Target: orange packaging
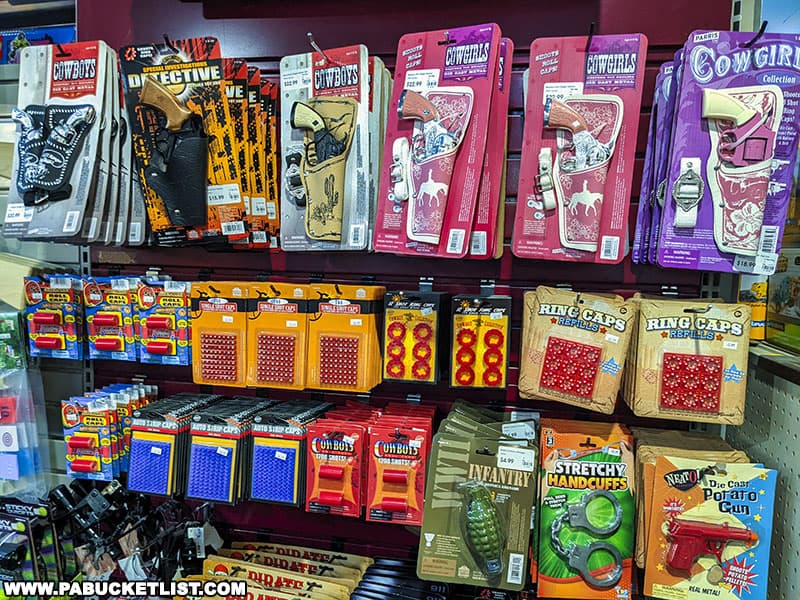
[[277, 322], [219, 328], [343, 344]]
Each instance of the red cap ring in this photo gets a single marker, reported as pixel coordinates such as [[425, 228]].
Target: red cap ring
[[396, 330], [423, 332], [421, 370], [492, 377], [395, 369], [465, 376], [466, 337], [493, 338], [465, 356], [396, 349], [421, 351], [492, 357]]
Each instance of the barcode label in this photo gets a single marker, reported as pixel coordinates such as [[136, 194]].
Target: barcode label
[[455, 241], [71, 222], [135, 233], [768, 242], [357, 235], [258, 206], [246, 200], [516, 563], [272, 210], [120, 285], [273, 241], [478, 243], [119, 233], [609, 248], [233, 228], [259, 237]]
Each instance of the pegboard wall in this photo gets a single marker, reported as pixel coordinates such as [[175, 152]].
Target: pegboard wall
[[263, 32], [770, 435]]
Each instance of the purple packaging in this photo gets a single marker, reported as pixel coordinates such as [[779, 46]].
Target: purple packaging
[[647, 194], [665, 130], [732, 152]]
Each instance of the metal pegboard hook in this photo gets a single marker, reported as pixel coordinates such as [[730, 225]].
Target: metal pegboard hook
[[312, 42]]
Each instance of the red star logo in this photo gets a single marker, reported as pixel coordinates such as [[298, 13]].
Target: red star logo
[[719, 337], [664, 334], [554, 320], [603, 330]]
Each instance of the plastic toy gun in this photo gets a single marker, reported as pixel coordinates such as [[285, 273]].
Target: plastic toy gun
[[325, 145], [178, 167], [588, 151], [691, 539], [750, 140]]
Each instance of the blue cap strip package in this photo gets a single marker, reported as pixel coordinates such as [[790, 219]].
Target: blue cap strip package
[[210, 473], [149, 466], [273, 474]]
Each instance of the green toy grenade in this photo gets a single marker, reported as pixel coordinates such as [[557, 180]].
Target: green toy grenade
[[483, 531]]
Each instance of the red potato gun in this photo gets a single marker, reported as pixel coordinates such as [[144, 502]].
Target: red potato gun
[[691, 539]]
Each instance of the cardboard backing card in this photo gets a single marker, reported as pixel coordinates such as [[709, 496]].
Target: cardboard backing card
[[124, 160], [732, 153], [725, 508], [325, 195], [478, 503], [71, 83], [582, 117], [486, 239], [574, 347], [692, 360], [235, 71], [434, 151], [192, 71]]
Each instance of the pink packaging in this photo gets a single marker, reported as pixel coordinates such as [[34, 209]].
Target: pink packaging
[[486, 240], [581, 123], [436, 139]]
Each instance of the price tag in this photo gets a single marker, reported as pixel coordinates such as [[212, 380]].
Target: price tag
[[280, 455], [520, 430], [562, 90], [519, 459], [222, 451], [155, 450], [421, 80]]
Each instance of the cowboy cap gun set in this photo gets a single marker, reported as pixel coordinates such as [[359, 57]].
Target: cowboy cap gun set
[[721, 154]]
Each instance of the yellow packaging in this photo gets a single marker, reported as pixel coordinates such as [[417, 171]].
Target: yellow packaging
[[285, 581], [277, 335], [219, 327], [343, 343], [346, 576], [481, 332]]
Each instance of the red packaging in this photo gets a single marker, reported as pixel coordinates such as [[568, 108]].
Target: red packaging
[[581, 123], [334, 469], [436, 138], [486, 240]]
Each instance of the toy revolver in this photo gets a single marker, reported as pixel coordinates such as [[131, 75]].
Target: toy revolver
[[743, 124], [422, 168], [328, 124], [688, 540], [587, 129], [178, 166]]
